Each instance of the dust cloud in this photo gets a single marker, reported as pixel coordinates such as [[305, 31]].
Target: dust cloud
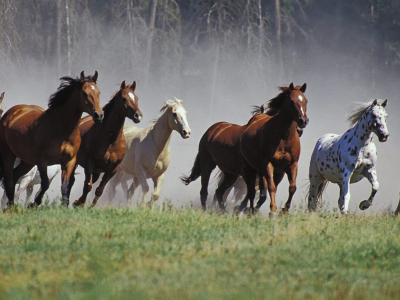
[[332, 89]]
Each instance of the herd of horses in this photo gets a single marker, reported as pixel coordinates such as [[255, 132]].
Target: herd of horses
[[36, 143]]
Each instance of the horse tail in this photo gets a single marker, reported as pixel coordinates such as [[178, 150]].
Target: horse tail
[[321, 189], [195, 173]]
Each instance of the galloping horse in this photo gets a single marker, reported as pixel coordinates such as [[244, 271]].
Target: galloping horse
[[284, 161], [103, 144], [348, 158], [148, 153], [47, 137], [246, 150]]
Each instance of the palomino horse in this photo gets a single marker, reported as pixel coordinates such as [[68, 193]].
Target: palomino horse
[[285, 161], [246, 150], [47, 137], [348, 158], [103, 144], [148, 153]]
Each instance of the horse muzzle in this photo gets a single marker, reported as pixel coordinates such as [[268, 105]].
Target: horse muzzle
[[98, 116], [302, 122], [185, 133], [383, 137], [137, 117]]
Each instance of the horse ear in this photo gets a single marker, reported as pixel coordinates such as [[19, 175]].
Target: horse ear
[[383, 104], [2, 96], [82, 76], [375, 102], [133, 86], [303, 88], [123, 85], [291, 86], [95, 76]]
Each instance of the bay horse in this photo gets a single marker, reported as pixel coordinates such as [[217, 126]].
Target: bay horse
[[103, 144], [348, 158], [47, 137], [148, 153], [229, 146], [284, 161], [29, 180]]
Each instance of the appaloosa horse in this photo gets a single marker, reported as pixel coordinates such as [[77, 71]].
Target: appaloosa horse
[[348, 158], [47, 137], [247, 150], [103, 144]]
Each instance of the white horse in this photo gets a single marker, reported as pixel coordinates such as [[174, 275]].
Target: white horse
[[28, 181], [348, 158], [147, 151]]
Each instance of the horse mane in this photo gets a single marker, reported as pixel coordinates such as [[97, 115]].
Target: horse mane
[[110, 104], [358, 111], [275, 104], [67, 86]]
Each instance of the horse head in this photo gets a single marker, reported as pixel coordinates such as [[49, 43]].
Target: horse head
[[299, 104], [378, 120], [131, 101], [90, 100], [177, 119]]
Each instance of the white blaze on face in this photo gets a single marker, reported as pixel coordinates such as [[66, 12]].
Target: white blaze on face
[[302, 111], [92, 86], [181, 112], [132, 96], [300, 98]]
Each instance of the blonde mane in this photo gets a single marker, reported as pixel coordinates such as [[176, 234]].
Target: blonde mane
[[359, 110]]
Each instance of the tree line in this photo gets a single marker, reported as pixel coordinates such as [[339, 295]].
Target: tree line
[[163, 40]]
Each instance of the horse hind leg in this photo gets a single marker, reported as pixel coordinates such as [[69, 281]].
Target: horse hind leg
[[227, 182], [292, 175], [373, 179]]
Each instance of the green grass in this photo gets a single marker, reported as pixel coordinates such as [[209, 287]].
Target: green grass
[[55, 253]]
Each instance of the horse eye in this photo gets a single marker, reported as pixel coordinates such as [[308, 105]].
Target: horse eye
[[174, 114]]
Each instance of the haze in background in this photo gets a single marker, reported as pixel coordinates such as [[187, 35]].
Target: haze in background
[[220, 58]]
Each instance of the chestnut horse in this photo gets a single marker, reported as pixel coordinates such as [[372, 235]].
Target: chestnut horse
[[285, 161], [103, 144], [47, 137], [228, 146]]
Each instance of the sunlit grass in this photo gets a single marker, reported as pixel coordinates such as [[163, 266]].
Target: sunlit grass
[[186, 254]]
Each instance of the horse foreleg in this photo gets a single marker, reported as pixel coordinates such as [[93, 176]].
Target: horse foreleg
[[292, 175], [44, 185], [158, 182], [344, 198], [67, 170], [99, 191], [87, 187], [24, 183], [373, 179]]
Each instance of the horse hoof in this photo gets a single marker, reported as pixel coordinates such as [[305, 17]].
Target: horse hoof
[[364, 205], [273, 215], [76, 204], [32, 205]]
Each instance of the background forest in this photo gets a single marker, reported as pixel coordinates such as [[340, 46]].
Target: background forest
[[219, 56]]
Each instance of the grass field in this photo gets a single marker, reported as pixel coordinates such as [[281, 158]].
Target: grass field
[[55, 253]]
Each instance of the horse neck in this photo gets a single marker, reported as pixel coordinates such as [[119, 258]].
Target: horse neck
[[281, 122], [360, 133], [161, 132], [113, 123], [68, 114]]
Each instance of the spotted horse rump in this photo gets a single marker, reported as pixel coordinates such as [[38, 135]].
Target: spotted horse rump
[[348, 158]]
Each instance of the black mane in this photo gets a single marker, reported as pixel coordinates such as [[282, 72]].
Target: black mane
[[67, 86], [275, 104]]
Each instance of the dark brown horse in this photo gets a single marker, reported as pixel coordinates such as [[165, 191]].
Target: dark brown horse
[[103, 144], [222, 145], [47, 137], [284, 162]]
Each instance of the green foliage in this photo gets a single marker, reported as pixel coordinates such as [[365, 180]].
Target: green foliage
[[186, 254]]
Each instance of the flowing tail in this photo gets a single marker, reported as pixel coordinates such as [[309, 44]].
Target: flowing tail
[[196, 172]]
